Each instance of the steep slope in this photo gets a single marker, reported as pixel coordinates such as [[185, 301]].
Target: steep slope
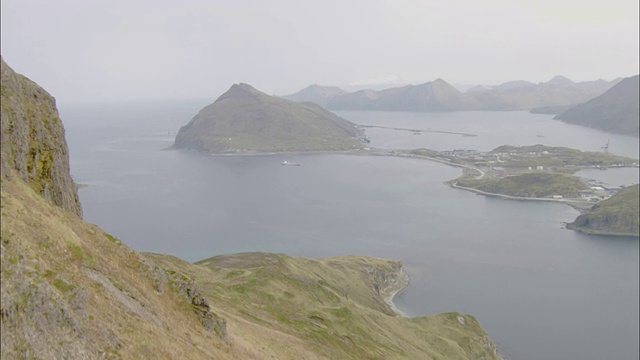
[[247, 120], [330, 308], [617, 215], [70, 291], [617, 110], [33, 143], [315, 93], [437, 95]]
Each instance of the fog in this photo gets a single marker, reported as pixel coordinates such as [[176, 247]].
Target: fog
[[126, 50]]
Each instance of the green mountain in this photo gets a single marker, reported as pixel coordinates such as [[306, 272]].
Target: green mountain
[[618, 215], [246, 120], [71, 291], [437, 95], [316, 94], [617, 110]]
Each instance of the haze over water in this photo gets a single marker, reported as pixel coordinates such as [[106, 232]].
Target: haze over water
[[542, 292]]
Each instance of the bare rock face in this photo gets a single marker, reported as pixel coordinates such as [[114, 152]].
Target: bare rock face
[[33, 143]]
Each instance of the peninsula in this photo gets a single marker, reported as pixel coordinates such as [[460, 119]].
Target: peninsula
[[545, 173], [245, 120]]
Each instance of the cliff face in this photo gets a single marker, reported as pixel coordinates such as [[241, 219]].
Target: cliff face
[[33, 144]]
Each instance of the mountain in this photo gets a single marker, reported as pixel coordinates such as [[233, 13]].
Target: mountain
[[315, 93], [615, 111], [544, 97], [246, 120], [437, 95], [69, 290], [618, 215]]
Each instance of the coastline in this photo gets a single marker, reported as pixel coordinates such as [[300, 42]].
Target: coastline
[[389, 292], [576, 204]]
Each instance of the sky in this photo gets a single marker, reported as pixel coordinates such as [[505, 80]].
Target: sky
[[93, 50]]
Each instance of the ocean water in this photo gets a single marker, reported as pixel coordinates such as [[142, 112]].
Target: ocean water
[[541, 291]]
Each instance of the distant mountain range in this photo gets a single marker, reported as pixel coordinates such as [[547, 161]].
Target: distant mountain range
[[439, 95], [316, 93], [246, 120], [616, 110]]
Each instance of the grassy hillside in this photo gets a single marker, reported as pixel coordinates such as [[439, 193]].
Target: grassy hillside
[[618, 215], [247, 120], [70, 290], [538, 185], [329, 308]]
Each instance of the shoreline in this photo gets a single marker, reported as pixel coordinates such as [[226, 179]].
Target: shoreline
[[576, 204], [392, 290]]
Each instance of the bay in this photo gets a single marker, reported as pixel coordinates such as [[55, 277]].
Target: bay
[[541, 291]]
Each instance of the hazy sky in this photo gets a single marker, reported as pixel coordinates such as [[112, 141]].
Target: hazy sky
[[84, 50]]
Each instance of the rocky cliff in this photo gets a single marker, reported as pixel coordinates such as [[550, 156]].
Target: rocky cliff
[[33, 144]]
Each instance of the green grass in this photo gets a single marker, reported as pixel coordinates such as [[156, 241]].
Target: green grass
[[618, 215], [537, 185]]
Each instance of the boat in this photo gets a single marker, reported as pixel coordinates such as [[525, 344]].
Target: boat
[[540, 135], [289, 163]]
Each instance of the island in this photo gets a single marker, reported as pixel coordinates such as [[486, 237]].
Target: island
[[245, 120]]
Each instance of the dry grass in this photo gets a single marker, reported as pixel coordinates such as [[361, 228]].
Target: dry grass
[[71, 291]]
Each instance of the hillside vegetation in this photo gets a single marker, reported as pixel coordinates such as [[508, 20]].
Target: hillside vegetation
[[246, 120], [536, 185], [618, 215]]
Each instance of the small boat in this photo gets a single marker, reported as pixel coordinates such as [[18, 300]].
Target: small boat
[[540, 135], [289, 163]]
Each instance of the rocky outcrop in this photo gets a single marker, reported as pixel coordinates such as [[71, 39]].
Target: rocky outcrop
[[33, 144]]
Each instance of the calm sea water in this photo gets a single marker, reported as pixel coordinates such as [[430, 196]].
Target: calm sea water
[[541, 291]]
